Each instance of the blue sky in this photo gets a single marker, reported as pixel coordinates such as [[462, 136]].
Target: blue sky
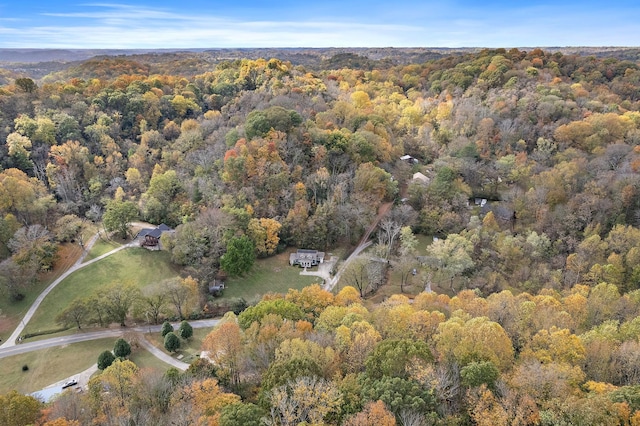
[[330, 23]]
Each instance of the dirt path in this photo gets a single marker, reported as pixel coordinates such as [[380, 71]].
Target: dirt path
[[362, 245]]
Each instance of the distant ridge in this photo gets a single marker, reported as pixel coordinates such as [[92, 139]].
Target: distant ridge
[[16, 55]]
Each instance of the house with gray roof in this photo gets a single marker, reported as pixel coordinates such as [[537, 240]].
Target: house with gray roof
[[306, 258]]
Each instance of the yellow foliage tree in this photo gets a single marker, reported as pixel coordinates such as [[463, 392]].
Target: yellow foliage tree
[[205, 399], [264, 233]]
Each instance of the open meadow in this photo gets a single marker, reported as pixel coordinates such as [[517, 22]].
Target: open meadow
[[139, 266]]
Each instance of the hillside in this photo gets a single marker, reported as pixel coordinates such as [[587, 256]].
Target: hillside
[[523, 166]]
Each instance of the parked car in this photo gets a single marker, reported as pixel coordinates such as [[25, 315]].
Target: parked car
[[69, 383]]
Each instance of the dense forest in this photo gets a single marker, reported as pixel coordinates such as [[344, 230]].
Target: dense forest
[[530, 164]]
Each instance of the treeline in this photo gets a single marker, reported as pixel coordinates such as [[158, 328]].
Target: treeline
[[283, 155], [554, 358]]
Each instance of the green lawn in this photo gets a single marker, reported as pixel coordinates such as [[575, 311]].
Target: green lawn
[[48, 366], [144, 359], [101, 247], [270, 275], [136, 265]]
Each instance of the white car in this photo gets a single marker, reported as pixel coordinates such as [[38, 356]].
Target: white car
[[69, 383]]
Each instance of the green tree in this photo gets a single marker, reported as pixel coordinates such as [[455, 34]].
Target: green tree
[[399, 394], [241, 414], [185, 331], [239, 257], [393, 358], [105, 359], [122, 348], [26, 84], [118, 217], [171, 342], [283, 308], [478, 373], [166, 328]]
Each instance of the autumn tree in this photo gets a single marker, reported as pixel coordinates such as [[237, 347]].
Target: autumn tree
[[19, 410], [201, 401], [374, 413], [451, 256], [77, 313], [306, 399], [118, 299], [224, 347], [264, 233], [183, 295]]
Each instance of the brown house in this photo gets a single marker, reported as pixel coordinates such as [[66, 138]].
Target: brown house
[[150, 237]]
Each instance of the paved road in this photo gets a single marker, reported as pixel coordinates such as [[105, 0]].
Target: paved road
[[11, 341], [92, 335], [162, 356]]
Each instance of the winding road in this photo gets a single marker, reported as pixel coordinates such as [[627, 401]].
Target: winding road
[[93, 335]]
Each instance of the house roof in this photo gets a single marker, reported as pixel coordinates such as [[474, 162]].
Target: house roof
[[164, 227], [152, 232], [419, 176]]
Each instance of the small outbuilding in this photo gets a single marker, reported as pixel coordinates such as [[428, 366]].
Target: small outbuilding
[[216, 288], [420, 178]]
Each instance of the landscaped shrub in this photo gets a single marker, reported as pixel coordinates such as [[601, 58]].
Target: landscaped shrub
[[166, 328], [185, 331], [105, 359], [171, 342], [122, 348]]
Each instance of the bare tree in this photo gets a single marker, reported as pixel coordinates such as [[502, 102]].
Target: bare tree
[[388, 233]]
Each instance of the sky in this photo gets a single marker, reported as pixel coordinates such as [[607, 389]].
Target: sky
[[146, 24]]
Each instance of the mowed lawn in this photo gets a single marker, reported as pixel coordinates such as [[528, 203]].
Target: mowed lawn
[[101, 247], [145, 360], [270, 275], [135, 265], [48, 366]]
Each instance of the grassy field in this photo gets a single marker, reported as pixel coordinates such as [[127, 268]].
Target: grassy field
[[145, 360], [101, 247], [48, 366], [272, 274], [138, 266]]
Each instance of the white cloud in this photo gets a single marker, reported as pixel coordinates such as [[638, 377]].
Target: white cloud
[[108, 25]]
